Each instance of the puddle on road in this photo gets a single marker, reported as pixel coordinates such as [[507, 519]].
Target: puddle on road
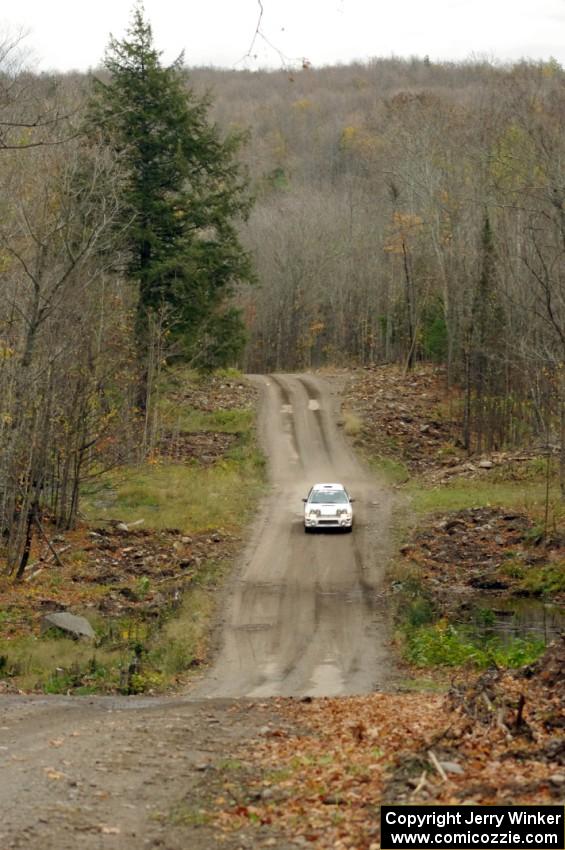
[[518, 617], [327, 680]]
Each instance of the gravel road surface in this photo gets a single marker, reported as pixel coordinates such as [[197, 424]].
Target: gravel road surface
[[305, 615]]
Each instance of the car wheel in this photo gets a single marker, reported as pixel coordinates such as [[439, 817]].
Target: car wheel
[[307, 530], [348, 529]]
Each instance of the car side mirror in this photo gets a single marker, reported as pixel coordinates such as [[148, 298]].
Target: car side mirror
[[304, 500], [353, 500]]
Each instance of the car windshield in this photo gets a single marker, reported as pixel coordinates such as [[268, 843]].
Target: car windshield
[[328, 497]]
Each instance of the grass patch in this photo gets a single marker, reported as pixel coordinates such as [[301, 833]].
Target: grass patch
[[430, 640], [57, 665], [478, 493], [231, 765], [281, 774], [544, 580], [131, 655], [232, 421], [534, 469], [512, 568], [394, 471], [445, 645], [187, 497], [352, 424], [182, 814], [181, 642]]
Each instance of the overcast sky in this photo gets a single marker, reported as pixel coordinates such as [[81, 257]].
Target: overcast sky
[[67, 34]]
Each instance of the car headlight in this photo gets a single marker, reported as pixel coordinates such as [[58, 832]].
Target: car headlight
[[314, 512], [341, 511]]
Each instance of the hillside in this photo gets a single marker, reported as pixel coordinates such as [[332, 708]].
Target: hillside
[[408, 211]]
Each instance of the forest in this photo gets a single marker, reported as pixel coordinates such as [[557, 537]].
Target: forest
[[408, 211], [391, 211]]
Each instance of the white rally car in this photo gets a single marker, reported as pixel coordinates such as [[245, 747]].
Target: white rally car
[[328, 506]]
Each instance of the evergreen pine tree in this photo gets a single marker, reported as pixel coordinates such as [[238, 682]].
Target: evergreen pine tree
[[183, 193]]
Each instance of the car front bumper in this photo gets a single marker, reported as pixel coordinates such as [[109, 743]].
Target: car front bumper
[[328, 521]]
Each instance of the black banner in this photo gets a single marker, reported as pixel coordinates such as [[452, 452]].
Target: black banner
[[477, 827]]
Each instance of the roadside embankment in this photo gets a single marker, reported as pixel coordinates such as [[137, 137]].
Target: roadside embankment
[[480, 573], [155, 541]]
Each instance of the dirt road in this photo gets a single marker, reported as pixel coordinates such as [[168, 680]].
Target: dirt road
[[305, 615], [87, 773]]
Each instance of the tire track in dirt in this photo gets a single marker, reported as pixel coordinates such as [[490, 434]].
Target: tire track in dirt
[[315, 403], [288, 416]]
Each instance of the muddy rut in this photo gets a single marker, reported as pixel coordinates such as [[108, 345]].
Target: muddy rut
[[306, 614]]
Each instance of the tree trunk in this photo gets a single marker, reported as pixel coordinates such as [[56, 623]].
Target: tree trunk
[[467, 410], [411, 310], [562, 439], [31, 515]]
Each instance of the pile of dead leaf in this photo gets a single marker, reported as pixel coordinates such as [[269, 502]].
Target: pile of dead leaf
[[114, 569], [215, 392], [406, 416], [324, 784], [503, 741], [203, 447], [211, 394], [464, 553], [320, 775], [414, 418], [508, 465]]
